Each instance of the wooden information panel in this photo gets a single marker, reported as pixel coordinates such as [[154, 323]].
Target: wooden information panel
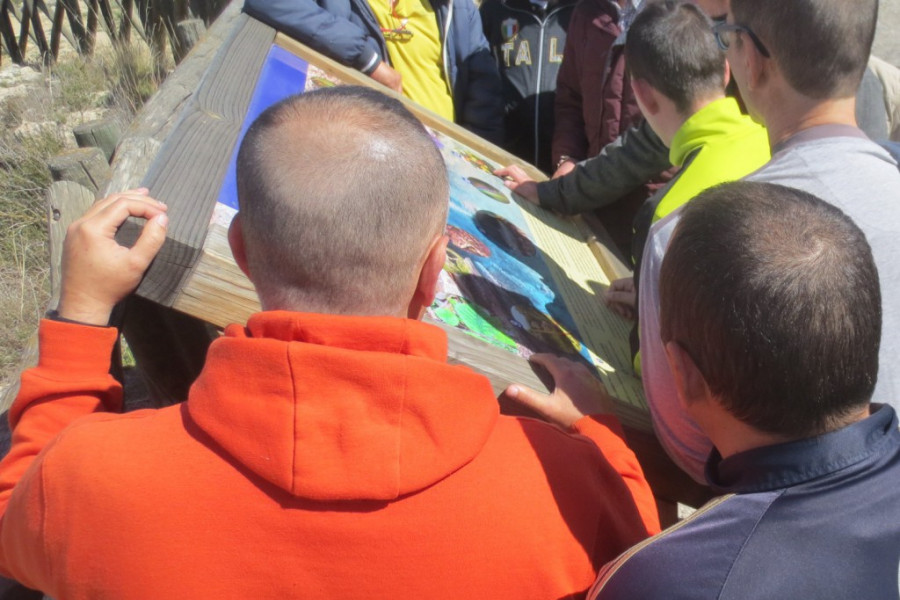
[[518, 279]]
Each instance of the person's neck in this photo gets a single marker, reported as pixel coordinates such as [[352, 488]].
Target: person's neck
[[731, 436], [668, 134], [787, 119]]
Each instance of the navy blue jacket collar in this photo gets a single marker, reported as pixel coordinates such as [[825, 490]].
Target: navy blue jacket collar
[[793, 463]]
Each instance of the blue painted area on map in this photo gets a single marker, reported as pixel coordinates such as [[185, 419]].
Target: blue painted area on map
[[282, 75]]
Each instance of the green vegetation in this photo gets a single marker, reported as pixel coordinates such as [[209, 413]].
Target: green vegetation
[[33, 128]]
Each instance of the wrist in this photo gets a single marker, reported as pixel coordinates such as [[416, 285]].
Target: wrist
[[563, 160], [53, 315], [81, 312]]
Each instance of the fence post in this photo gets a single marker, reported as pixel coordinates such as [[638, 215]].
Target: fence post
[[102, 133], [187, 33], [86, 166], [8, 33]]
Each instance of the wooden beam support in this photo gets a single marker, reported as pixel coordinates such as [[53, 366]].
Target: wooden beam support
[[102, 133], [86, 166]]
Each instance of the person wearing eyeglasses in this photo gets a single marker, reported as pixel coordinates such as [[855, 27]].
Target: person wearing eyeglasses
[[679, 77], [798, 65], [639, 155], [432, 51]]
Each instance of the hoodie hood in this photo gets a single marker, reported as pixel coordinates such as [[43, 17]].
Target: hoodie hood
[[341, 408]]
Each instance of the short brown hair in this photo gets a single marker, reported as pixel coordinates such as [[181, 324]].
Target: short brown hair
[[341, 193], [822, 46], [671, 46], [775, 296]]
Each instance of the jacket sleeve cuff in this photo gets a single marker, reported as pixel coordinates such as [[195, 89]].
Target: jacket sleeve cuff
[[370, 63], [75, 349], [549, 196], [597, 427], [72, 370]]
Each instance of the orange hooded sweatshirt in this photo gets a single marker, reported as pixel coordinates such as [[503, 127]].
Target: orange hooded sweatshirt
[[316, 457]]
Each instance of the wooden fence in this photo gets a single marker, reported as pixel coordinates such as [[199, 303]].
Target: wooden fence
[[77, 22]]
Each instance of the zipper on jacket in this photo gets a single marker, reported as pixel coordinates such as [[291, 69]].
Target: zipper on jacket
[[540, 74], [444, 56]]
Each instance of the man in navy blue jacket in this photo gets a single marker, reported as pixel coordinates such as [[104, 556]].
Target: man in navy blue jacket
[[433, 51], [771, 321]]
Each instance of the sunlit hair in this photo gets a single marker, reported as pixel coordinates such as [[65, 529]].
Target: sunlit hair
[[774, 294], [341, 192], [822, 46]]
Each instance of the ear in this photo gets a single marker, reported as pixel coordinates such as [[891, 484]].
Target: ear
[[236, 241], [426, 286], [727, 78], [690, 384], [646, 96], [757, 65]]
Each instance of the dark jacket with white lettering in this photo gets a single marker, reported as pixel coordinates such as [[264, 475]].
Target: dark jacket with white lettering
[[348, 32], [816, 518], [528, 43]]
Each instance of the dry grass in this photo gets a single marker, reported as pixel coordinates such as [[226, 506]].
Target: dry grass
[[24, 284], [115, 82]]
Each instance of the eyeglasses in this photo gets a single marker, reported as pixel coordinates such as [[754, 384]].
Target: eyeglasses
[[722, 31]]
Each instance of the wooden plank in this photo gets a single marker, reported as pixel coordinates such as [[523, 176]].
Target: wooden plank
[[191, 166], [142, 141]]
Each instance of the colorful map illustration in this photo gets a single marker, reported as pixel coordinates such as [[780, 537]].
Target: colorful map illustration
[[516, 277]]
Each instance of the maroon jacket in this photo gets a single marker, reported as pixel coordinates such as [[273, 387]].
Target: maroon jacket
[[595, 104], [594, 101]]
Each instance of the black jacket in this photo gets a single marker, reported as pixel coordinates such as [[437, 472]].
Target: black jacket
[[527, 42]]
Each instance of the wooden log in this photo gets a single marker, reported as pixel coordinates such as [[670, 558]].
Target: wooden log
[[102, 133], [66, 201], [125, 25], [56, 29], [87, 166], [187, 34]]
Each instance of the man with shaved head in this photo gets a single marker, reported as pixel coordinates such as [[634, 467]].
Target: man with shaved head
[[327, 450]]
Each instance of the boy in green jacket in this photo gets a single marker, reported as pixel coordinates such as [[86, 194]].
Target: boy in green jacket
[[679, 74]]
